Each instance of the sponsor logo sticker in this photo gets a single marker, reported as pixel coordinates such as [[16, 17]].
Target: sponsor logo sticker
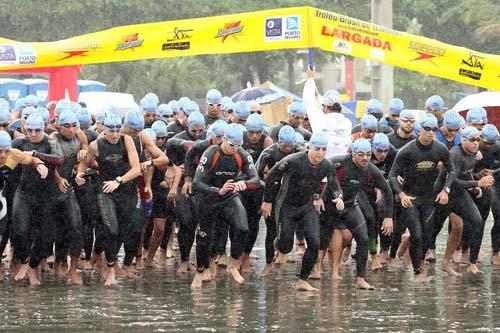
[[178, 40], [342, 46], [129, 42], [282, 28], [230, 29]]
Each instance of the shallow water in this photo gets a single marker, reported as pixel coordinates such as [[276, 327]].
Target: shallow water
[[161, 301]]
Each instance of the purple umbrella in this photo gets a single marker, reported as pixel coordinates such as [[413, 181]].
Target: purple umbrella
[[256, 94]]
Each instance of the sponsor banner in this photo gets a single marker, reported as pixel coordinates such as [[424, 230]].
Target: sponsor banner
[[300, 27], [338, 33]]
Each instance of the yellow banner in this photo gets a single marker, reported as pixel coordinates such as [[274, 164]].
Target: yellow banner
[[301, 27]]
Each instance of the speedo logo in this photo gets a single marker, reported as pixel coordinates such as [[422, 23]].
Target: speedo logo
[[225, 173]]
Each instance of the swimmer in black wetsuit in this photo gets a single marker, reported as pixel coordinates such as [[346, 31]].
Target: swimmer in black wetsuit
[[298, 200], [118, 199], [223, 171], [417, 163], [355, 173]]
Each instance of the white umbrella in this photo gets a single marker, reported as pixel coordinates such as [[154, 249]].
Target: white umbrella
[[482, 99]]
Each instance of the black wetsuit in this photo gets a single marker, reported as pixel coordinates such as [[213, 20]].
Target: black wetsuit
[[275, 130], [121, 209], [397, 141], [65, 208], [418, 165], [293, 203], [267, 159], [353, 181], [252, 199], [185, 135], [491, 197], [209, 120], [214, 170], [174, 128], [33, 197]]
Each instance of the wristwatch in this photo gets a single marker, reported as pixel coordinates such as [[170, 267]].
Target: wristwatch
[[119, 180], [447, 190]]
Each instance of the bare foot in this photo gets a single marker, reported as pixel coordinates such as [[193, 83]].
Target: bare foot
[[170, 251], [346, 256], [59, 269], [232, 268], [375, 263], [207, 277], [131, 271], [472, 268], [362, 284], [139, 263], [150, 263], [495, 258], [222, 262], [431, 256], [464, 260], [445, 266], [197, 281], [213, 268], [383, 257], [184, 266], [267, 269], [281, 258], [245, 263], [301, 249], [316, 274], [163, 257], [110, 277], [393, 263], [303, 285], [253, 256], [33, 278], [21, 274], [407, 259], [51, 259], [88, 266], [335, 275], [419, 278], [45, 266], [74, 278], [119, 272]]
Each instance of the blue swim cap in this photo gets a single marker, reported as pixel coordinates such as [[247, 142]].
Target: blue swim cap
[[173, 105], [234, 133], [3, 102], [189, 107], [45, 114], [4, 113], [225, 100], [196, 119], [152, 97], [229, 107], [429, 120], [29, 110], [5, 140], [182, 101], [19, 104], [255, 122], [490, 133], [101, 115], [297, 109], [470, 131], [452, 119], [381, 141], [407, 114], [35, 120], [151, 133], [214, 97], [361, 145], [435, 102], [164, 110], [148, 105], [475, 115], [84, 117], [374, 106], [67, 117], [219, 127], [396, 105], [31, 100], [63, 104], [242, 110], [318, 139], [159, 127], [286, 135], [133, 119], [331, 92], [299, 138], [75, 107], [112, 120], [383, 122], [369, 122]]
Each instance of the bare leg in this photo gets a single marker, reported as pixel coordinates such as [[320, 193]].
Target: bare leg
[[495, 258], [232, 268], [110, 277], [245, 263], [453, 240], [336, 247], [73, 276], [32, 277], [158, 230], [318, 269]]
